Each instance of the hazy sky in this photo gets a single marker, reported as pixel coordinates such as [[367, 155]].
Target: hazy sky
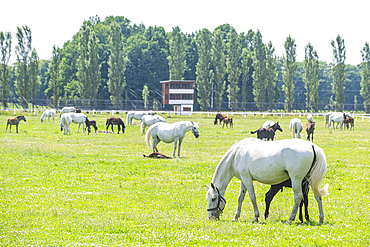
[[318, 22]]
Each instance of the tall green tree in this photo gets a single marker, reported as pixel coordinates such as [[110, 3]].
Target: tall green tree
[[5, 69], [260, 71], [219, 67], [290, 68], [365, 82], [22, 50], [271, 74], [177, 57], [117, 65], [246, 55], [203, 68], [311, 78], [233, 66], [54, 77], [94, 66], [34, 70], [339, 70]]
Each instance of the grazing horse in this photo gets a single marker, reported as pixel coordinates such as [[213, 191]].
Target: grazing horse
[[348, 121], [48, 114], [274, 189], [65, 123], [138, 115], [78, 118], [310, 127], [66, 110], [296, 127], [268, 133], [115, 121], [170, 133], [326, 117], [269, 163], [148, 120], [219, 117], [89, 124], [338, 118], [14, 121], [227, 121]]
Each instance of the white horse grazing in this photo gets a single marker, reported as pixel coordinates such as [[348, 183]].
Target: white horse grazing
[[78, 118], [48, 114], [268, 124], [148, 120], [296, 127], [337, 117], [66, 110], [138, 115], [170, 133], [269, 163], [65, 123], [310, 118]]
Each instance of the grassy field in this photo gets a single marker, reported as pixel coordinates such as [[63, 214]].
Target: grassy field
[[61, 190]]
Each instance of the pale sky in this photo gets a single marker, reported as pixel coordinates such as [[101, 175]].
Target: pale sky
[[318, 22]]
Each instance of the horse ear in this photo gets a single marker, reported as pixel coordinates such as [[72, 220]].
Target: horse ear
[[192, 122]]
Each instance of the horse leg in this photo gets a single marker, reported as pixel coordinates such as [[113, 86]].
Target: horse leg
[[119, 128], [305, 190], [16, 128], [297, 189], [112, 128], [240, 201], [248, 183], [174, 148], [321, 210], [180, 141], [269, 196]]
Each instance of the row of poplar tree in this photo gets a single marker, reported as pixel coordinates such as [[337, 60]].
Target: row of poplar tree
[[113, 60]]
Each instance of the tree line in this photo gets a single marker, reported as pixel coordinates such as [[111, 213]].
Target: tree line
[[115, 60]]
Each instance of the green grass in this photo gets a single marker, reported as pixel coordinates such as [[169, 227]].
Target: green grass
[[61, 190]]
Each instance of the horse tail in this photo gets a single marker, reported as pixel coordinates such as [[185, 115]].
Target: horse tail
[[318, 171], [293, 130], [128, 118], [252, 132], [147, 138]]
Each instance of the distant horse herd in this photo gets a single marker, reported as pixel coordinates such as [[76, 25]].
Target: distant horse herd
[[250, 159]]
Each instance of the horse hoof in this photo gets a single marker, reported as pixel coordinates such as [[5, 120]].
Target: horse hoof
[[288, 222], [235, 219]]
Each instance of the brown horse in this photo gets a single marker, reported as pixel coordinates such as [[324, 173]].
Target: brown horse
[[157, 155], [89, 124], [115, 121], [310, 127], [14, 121], [268, 133], [348, 121], [219, 117], [227, 121]]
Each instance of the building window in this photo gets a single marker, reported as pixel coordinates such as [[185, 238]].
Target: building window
[[166, 85]]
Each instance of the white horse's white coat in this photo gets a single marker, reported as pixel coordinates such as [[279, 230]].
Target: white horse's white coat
[[65, 123], [269, 163], [326, 117], [310, 118], [296, 127], [268, 124], [337, 117], [170, 133], [138, 115], [77, 118], [148, 120], [48, 114], [66, 110]]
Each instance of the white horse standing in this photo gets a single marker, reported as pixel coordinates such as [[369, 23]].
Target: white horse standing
[[170, 133], [326, 117], [48, 114], [78, 118], [269, 163], [337, 117], [296, 127], [65, 123], [66, 110], [138, 115], [148, 120]]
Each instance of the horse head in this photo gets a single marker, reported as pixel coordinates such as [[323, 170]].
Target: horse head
[[277, 127], [216, 202], [195, 129]]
